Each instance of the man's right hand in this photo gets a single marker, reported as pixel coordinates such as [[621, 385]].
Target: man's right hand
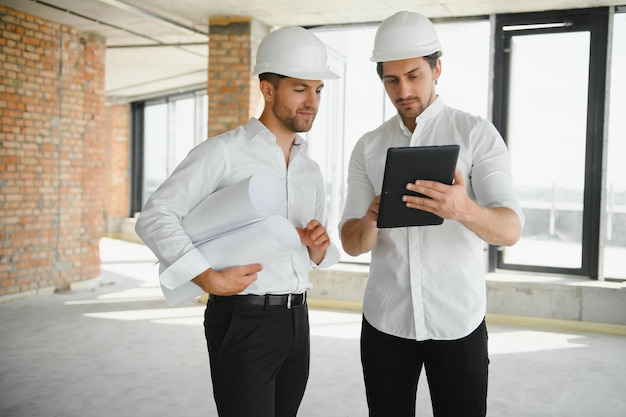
[[359, 236], [228, 281]]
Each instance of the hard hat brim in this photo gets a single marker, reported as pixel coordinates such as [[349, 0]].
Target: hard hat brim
[[405, 54], [321, 74]]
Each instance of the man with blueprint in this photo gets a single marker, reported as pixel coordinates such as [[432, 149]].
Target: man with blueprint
[[242, 218]]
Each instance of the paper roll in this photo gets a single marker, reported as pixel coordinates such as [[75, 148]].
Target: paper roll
[[240, 204], [262, 242]]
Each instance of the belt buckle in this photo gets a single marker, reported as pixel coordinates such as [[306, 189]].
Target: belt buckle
[[289, 302]]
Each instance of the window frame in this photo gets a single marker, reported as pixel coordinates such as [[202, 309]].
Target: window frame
[[596, 22], [138, 138]]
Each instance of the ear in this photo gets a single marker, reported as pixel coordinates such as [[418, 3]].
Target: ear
[[267, 89], [437, 69]]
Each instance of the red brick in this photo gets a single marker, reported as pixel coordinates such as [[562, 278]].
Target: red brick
[[34, 210]]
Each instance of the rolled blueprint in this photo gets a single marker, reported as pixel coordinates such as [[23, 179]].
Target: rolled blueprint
[[262, 242], [240, 204]]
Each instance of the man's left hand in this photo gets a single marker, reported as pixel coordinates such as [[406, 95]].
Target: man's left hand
[[446, 201], [315, 237]]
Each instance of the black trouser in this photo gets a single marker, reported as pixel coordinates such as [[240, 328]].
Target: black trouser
[[259, 358], [456, 371]]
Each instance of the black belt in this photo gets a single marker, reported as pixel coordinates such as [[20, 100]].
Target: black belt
[[286, 300]]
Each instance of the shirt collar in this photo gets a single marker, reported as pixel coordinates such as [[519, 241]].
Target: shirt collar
[[257, 129], [429, 112]]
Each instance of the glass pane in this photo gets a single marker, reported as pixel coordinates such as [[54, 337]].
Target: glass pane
[[183, 130], [155, 149], [547, 122], [615, 208], [464, 81], [339, 124]]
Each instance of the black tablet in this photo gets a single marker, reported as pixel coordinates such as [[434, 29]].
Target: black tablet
[[408, 164]]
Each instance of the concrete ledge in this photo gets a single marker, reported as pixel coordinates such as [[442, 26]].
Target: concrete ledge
[[556, 297], [519, 321], [127, 229], [87, 284], [328, 304], [26, 294], [555, 324], [122, 229], [74, 286], [344, 282], [508, 294]]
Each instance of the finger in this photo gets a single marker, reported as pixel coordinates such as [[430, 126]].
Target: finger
[[415, 202], [237, 286], [319, 241], [246, 270], [419, 186], [317, 233], [323, 243], [458, 177], [246, 280], [313, 224], [254, 268], [374, 208]]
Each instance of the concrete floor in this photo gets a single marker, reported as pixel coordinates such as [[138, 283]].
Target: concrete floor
[[119, 350]]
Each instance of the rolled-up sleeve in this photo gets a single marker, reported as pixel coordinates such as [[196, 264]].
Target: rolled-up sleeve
[[492, 180], [360, 189]]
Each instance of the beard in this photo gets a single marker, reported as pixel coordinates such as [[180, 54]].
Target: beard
[[418, 106], [410, 114], [290, 118], [413, 112]]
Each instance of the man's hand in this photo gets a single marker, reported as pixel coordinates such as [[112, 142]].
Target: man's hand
[[228, 281], [371, 215], [494, 225], [315, 237], [359, 236], [446, 201]]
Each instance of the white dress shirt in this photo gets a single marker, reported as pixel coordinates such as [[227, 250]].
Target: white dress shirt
[[217, 163], [428, 282]]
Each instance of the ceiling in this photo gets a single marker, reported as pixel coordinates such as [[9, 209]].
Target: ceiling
[[157, 47]]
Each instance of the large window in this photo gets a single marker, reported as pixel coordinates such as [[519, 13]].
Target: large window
[[547, 117], [549, 103], [168, 128]]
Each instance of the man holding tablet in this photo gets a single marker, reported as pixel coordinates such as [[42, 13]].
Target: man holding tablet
[[425, 299]]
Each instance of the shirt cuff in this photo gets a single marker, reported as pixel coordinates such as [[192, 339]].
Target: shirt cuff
[[330, 258], [184, 269]]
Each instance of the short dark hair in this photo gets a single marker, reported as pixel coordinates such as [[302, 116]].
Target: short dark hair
[[272, 78], [432, 61]]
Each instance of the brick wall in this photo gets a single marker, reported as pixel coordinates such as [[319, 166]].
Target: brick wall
[[233, 93], [51, 153], [117, 167]]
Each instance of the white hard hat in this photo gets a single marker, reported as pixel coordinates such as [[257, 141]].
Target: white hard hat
[[294, 52], [405, 35]]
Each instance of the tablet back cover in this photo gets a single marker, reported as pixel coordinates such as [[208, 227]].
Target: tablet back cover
[[405, 165]]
